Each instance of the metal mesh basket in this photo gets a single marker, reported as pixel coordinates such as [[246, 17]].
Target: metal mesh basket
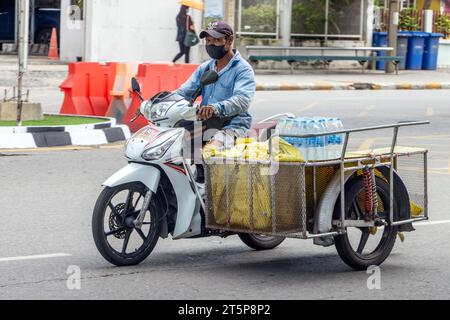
[[411, 169], [256, 198]]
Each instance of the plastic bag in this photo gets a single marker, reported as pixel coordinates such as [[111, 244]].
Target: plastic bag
[[247, 149]]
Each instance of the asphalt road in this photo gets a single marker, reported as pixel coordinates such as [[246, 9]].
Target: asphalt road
[[47, 199]]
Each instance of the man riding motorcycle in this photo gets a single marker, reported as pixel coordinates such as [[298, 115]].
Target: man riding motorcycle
[[225, 103]]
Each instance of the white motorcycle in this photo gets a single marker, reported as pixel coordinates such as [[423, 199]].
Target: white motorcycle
[[156, 194]]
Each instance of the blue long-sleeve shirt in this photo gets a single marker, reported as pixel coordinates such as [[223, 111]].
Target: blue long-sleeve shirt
[[232, 94]]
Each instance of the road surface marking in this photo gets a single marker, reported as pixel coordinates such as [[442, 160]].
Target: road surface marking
[[35, 257], [433, 171], [431, 223], [430, 112], [309, 106], [366, 112], [448, 168], [367, 144]]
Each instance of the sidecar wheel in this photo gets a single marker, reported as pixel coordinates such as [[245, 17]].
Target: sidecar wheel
[[116, 237], [260, 242], [358, 247]]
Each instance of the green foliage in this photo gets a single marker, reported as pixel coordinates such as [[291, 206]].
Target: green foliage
[[260, 17], [443, 25], [308, 16], [79, 3], [408, 21], [50, 120], [378, 3]]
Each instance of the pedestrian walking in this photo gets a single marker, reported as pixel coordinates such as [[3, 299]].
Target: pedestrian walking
[[184, 25]]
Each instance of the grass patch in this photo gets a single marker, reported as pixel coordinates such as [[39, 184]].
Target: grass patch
[[50, 120]]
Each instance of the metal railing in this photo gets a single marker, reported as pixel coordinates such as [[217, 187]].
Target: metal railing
[[343, 161]]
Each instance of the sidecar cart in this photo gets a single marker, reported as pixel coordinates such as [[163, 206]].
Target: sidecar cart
[[360, 202]]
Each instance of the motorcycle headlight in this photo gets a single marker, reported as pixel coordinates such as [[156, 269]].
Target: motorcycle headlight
[[158, 151], [159, 111], [146, 108]]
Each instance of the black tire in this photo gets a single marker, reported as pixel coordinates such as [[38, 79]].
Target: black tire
[[353, 258], [118, 218], [260, 242]]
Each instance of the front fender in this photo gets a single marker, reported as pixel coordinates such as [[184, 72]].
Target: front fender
[[134, 172]]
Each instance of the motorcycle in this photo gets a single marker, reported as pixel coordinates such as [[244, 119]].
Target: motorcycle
[[360, 202], [156, 194]]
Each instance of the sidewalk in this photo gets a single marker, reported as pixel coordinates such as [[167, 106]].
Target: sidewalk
[[338, 79], [42, 78]]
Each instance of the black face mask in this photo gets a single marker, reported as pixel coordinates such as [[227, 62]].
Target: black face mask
[[216, 52]]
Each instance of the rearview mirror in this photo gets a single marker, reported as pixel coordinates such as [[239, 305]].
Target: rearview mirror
[[209, 77], [135, 85]]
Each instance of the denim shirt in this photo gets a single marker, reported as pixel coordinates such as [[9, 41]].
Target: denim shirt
[[232, 94]]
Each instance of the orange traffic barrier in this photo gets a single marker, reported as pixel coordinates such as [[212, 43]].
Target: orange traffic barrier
[[153, 78], [86, 89], [101, 82], [120, 95], [53, 50]]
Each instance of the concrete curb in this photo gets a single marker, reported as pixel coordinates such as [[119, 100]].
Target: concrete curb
[[58, 136], [352, 86]]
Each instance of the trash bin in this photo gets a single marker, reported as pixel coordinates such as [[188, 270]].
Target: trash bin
[[402, 47], [380, 39], [430, 53], [416, 45]]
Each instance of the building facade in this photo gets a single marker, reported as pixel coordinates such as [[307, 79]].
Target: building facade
[[145, 30]]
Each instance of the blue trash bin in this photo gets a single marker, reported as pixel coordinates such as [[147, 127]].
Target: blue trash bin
[[416, 45], [402, 47], [430, 52], [380, 39]]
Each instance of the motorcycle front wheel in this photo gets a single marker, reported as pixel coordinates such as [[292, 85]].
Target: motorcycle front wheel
[[115, 236]]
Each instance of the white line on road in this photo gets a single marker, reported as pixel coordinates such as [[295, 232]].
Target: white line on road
[[42, 256], [431, 223], [309, 106], [448, 165], [366, 112]]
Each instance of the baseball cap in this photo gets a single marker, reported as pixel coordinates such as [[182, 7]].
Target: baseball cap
[[217, 29]]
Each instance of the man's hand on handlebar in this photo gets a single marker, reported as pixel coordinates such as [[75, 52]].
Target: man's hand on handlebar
[[206, 113]]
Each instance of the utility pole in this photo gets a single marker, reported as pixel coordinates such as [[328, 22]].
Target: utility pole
[[24, 16], [286, 22], [394, 8]]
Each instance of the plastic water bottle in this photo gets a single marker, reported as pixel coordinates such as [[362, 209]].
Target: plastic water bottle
[[280, 125], [304, 142], [331, 139], [339, 138], [335, 141], [294, 140], [314, 148], [321, 141], [312, 144]]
